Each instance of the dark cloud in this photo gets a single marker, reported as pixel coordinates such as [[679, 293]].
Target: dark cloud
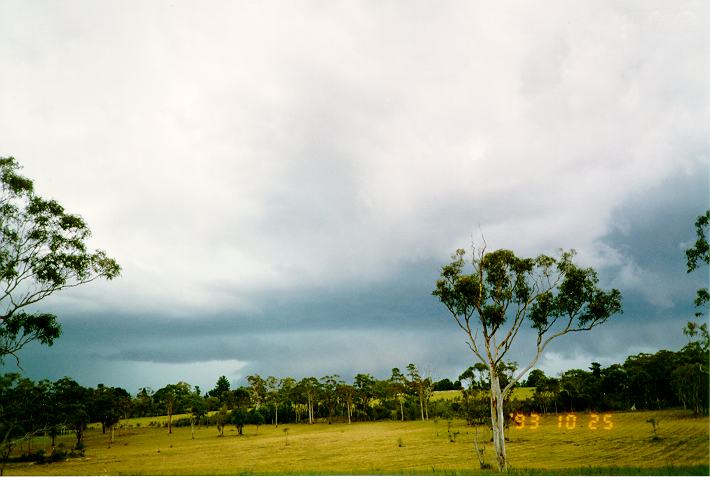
[[281, 185]]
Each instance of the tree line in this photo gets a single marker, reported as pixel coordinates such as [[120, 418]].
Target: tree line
[[661, 380], [665, 379]]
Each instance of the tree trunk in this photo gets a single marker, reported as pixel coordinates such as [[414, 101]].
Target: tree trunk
[[479, 451], [79, 432], [421, 406], [348, 413], [498, 422], [192, 426], [401, 407], [276, 414]]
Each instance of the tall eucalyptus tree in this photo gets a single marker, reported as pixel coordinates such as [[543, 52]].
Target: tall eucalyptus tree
[[503, 292]]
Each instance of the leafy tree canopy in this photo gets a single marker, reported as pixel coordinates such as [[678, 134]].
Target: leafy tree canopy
[[697, 255], [42, 250]]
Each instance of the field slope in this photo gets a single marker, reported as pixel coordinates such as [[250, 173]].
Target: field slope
[[392, 448]]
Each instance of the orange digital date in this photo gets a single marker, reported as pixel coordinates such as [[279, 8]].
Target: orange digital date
[[568, 422]]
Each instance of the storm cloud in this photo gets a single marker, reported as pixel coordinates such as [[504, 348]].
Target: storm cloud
[[281, 182]]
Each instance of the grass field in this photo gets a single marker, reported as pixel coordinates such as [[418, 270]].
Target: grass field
[[519, 393], [394, 448]]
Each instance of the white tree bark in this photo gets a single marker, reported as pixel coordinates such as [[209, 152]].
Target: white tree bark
[[498, 422]]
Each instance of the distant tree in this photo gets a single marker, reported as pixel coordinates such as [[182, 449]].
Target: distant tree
[[220, 420], [256, 418], [399, 387], [143, 403], [173, 399], [12, 416], [536, 377], [428, 389], [468, 378], [242, 397], [311, 389], [239, 419], [198, 409], [213, 403], [32, 400], [477, 376], [384, 399], [347, 393], [257, 389], [546, 393], [573, 390], [330, 394], [491, 303], [639, 380], [690, 380], [42, 251], [422, 387], [72, 402], [614, 388], [648, 379], [444, 385], [287, 392], [273, 395], [364, 385], [221, 389], [107, 407]]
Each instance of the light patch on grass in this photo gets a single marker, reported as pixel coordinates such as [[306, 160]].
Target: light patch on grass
[[519, 393]]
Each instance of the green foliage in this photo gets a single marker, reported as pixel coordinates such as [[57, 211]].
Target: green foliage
[[500, 293], [109, 404], [74, 406], [239, 418], [330, 393], [536, 377], [221, 389], [174, 398], [255, 418], [221, 418], [42, 250], [697, 255], [700, 252], [446, 384]]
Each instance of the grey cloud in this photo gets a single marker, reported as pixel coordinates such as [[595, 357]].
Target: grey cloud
[[264, 169], [652, 232]]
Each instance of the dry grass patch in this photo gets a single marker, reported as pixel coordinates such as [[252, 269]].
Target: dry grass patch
[[383, 447]]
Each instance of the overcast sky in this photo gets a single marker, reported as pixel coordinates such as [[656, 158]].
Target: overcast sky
[[281, 181]]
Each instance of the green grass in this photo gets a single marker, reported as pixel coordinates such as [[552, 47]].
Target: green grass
[[519, 393], [394, 448]]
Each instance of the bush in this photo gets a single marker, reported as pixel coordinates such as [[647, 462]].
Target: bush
[[182, 422]]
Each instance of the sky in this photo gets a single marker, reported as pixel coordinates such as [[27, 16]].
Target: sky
[[282, 181]]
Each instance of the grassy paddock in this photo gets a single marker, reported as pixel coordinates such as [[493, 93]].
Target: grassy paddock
[[396, 448], [519, 393]]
